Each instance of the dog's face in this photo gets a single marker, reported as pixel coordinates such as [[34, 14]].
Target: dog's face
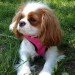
[[29, 23], [38, 20], [28, 20]]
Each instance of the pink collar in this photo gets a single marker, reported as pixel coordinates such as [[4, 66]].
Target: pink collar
[[37, 43]]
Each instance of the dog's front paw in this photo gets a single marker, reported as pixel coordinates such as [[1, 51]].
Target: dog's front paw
[[24, 71], [44, 73]]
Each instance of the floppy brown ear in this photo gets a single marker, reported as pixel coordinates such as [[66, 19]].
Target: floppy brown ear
[[16, 19], [15, 31], [51, 32], [17, 34]]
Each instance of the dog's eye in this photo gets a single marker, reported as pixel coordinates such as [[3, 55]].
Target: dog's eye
[[32, 21]]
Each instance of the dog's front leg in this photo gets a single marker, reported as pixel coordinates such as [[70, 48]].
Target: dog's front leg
[[24, 67], [51, 61]]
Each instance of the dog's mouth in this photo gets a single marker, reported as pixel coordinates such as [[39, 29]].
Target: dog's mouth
[[28, 35]]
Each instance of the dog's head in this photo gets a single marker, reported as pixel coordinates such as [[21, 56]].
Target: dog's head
[[36, 19]]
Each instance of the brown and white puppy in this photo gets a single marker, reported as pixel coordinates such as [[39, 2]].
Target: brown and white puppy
[[38, 21]]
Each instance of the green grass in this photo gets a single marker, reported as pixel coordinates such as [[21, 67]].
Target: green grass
[[9, 45]]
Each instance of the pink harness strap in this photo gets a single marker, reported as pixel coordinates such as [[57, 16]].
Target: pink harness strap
[[35, 41]]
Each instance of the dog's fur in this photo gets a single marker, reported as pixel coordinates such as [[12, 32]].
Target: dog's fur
[[40, 22]]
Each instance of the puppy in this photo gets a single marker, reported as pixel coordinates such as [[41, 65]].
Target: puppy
[[40, 31]]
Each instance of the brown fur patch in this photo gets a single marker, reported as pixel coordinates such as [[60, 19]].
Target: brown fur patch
[[17, 18], [51, 33]]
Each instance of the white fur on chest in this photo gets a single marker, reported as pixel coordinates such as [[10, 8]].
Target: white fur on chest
[[28, 48]]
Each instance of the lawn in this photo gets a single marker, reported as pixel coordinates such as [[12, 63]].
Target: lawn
[[9, 44]]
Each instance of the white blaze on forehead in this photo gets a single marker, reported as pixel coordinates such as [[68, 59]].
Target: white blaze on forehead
[[33, 7]]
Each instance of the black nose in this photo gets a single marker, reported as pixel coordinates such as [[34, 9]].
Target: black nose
[[21, 24]]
